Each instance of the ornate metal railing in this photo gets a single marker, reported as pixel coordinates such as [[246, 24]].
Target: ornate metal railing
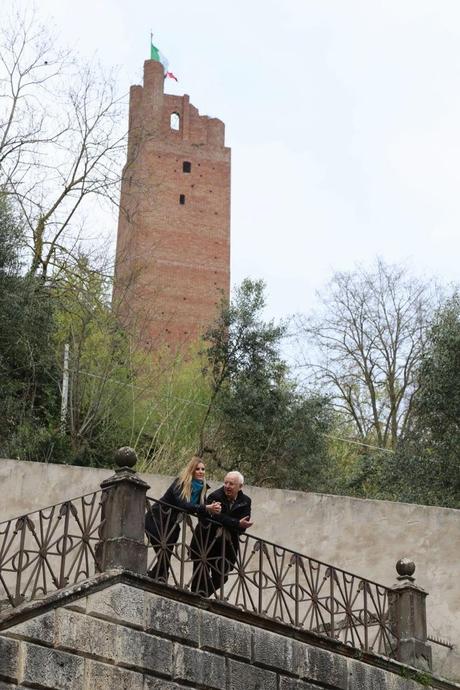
[[51, 548], [48, 549], [267, 579]]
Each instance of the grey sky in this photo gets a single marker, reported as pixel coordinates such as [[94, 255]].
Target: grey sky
[[343, 117]]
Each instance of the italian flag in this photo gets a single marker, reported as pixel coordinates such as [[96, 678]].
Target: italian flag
[[156, 54]]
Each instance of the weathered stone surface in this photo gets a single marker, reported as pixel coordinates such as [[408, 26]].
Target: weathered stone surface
[[100, 676], [225, 635], [245, 677], [41, 629], [122, 527], [293, 684], [9, 654], [364, 677], [52, 668], [322, 666], [81, 633], [416, 653], [142, 651], [329, 534], [120, 603], [198, 667], [172, 618], [160, 684], [277, 651], [79, 605], [214, 652]]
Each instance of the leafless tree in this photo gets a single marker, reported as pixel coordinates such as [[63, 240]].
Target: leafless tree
[[365, 345], [61, 137]]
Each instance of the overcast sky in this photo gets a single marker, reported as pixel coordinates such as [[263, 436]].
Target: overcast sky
[[343, 117]]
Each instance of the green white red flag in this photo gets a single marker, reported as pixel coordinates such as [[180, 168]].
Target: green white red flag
[[156, 54]]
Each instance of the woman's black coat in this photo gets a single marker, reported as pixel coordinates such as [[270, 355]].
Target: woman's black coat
[[162, 517]]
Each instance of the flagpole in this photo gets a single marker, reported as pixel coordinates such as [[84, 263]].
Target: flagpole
[[151, 42]]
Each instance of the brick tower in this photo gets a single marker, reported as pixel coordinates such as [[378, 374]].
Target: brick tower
[[173, 245]]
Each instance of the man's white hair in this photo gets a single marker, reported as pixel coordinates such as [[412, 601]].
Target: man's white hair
[[238, 475]]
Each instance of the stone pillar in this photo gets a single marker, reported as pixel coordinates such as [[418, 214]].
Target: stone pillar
[[407, 612], [122, 542]]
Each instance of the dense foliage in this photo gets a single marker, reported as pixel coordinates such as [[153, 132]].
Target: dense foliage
[[233, 398], [430, 459], [29, 395], [378, 413], [258, 420]]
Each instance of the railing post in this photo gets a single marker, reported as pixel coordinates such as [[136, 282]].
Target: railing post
[[407, 613], [122, 542]]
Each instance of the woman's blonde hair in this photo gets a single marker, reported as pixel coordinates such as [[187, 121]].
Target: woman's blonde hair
[[186, 476]]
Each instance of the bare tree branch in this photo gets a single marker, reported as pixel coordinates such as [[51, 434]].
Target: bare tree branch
[[365, 345], [62, 136]]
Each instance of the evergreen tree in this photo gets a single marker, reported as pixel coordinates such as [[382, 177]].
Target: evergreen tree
[[435, 437], [27, 372], [426, 466], [257, 420]]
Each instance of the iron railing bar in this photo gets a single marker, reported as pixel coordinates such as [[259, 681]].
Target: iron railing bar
[[285, 584], [332, 595], [54, 505], [275, 591], [19, 569], [64, 550], [278, 546], [183, 548], [297, 591], [366, 618], [260, 598]]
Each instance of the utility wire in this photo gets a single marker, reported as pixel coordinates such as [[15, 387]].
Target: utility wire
[[358, 443]]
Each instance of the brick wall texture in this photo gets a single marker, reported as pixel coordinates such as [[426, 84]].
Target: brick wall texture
[[173, 246], [126, 638]]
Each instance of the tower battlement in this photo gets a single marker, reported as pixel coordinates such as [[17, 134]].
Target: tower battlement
[[173, 246]]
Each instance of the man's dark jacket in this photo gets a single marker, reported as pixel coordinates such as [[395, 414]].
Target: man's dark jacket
[[231, 514], [213, 556]]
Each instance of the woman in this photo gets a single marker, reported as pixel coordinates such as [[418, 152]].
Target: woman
[[187, 493]]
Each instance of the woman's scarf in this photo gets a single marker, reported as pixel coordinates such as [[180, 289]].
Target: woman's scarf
[[197, 488]]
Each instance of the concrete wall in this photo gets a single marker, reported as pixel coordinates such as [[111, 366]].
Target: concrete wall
[[363, 536], [126, 638]]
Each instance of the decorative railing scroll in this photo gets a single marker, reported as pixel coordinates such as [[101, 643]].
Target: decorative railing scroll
[[51, 548], [48, 549], [267, 579]]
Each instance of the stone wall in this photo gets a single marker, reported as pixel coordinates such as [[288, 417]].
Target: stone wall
[[125, 637], [362, 536]]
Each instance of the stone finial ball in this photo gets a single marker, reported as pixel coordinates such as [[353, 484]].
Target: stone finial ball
[[125, 457], [405, 567]]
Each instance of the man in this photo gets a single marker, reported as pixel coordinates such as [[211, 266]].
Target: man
[[214, 546]]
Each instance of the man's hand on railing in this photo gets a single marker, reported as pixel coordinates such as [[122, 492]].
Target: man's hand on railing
[[214, 508], [245, 523]]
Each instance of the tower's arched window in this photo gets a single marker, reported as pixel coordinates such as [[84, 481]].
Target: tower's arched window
[[174, 121]]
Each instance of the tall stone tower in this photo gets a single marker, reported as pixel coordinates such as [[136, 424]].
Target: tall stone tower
[[173, 246]]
